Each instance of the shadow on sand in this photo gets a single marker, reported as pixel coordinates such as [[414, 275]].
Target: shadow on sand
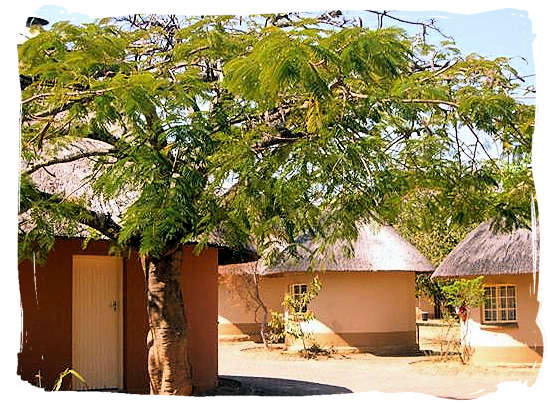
[[260, 386]]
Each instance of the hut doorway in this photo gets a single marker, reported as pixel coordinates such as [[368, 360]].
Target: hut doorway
[[97, 322]]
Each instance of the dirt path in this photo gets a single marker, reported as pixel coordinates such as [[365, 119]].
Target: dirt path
[[270, 373]]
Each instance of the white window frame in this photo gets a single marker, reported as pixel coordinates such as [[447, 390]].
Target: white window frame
[[302, 290], [498, 308]]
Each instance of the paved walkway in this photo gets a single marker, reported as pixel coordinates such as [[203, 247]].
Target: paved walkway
[[268, 373]]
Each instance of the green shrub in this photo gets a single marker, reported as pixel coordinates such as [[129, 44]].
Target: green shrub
[[276, 328], [464, 293]]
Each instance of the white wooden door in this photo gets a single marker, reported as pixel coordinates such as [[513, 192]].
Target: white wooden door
[[97, 321]]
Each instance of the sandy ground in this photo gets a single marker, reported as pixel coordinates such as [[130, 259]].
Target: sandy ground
[[264, 372]]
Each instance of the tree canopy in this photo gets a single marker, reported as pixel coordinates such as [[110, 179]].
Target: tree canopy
[[267, 127]]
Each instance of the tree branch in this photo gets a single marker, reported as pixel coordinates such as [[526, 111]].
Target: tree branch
[[101, 222], [103, 137], [424, 25], [407, 101], [469, 125], [426, 101], [69, 94], [275, 141], [441, 70], [67, 159], [63, 107]]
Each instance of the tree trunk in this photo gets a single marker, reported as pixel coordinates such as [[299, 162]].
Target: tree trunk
[[437, 308], [260, 305], [263, 332], [167, 341]]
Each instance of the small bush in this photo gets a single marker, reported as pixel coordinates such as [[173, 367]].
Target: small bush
[[294, 312], [290, 322], [276, 328], [464, 293], [315, 350]]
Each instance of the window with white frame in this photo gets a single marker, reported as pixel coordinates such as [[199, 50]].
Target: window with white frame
[[500, 304], [297, 291]]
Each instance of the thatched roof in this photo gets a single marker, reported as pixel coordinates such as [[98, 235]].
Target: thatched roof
[[487, 252], [71, 180], [376, 249]]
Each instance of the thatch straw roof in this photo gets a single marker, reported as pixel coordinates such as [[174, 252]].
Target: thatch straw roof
[[71, 180], [376, 249], [488, 252]]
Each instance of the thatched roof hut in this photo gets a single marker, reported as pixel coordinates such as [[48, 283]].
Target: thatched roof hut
[[376, 249], [486, 251]]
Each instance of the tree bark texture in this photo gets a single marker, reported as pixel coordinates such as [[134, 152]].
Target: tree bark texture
[[260, 305], [168, 360]]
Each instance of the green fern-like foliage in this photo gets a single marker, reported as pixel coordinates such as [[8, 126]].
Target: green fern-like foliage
[[263, 129]]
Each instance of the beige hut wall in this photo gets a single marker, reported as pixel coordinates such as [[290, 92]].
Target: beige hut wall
[[508, 343], [362, 309], [236, 309]]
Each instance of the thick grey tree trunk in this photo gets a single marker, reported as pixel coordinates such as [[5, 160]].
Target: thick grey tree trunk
[[167, 341]]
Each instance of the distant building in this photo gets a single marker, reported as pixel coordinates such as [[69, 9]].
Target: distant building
[[504, 328], [366, 303]]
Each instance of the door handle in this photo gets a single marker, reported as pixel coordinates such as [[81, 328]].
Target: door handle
[[114, 305]]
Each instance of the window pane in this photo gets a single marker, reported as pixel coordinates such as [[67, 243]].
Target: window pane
[[296, 289], [490, 297], [499, 304], [304, 288]]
